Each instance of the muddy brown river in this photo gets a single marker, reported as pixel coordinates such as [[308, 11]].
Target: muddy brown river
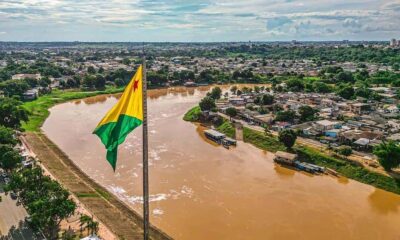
[[202, 191]]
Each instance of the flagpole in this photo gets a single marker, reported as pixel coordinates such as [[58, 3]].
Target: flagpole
[[145, 157]]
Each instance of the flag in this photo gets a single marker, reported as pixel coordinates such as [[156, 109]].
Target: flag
[[123, 117]]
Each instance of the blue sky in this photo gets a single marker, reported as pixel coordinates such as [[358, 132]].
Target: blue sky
[[195, 20]]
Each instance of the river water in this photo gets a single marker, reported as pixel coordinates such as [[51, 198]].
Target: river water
[[203, 191]]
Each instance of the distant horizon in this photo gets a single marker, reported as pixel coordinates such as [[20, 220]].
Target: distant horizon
[[259, 41], [198, 20]]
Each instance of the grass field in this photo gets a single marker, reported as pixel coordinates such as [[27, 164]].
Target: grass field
[[192, 115], [38, 108]]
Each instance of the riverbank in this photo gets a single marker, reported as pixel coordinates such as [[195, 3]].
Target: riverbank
[[39, 108], [116, 215], [345, 168]]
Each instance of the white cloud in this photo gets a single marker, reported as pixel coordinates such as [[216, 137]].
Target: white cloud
[[217, 20]]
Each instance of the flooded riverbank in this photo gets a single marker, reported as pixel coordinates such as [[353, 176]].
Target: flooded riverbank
[[203, 191]]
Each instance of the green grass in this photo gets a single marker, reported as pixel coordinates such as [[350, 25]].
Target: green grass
[[311, 79], [227, 128], [192, 115], [262, 141], [103, 193], [87, 195], [350, 170], [38, 108]]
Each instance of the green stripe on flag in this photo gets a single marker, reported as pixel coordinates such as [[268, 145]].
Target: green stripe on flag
[[114, 133]]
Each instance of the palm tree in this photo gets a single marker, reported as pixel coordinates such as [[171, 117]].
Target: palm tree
[[93, 227], [84, 222]]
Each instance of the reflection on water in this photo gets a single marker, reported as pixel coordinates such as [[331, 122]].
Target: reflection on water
[[202, 191], [383, 204]]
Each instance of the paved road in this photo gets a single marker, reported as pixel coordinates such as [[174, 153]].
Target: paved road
[[12, 216]]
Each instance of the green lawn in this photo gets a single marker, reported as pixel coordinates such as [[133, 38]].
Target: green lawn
[[262, 141], [227, 128], [38, 108], [192, 115]]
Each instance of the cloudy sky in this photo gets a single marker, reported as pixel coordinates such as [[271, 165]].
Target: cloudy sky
[[195, 20]]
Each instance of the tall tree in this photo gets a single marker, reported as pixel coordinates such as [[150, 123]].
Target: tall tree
[[287, 137], [231, 112], [307, 113], [12, 113], [207, 103], [388, 154]]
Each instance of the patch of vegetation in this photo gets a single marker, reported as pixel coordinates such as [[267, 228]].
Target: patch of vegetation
[[192, 115], [103, 193], [260, 140], [87, 195], [227, 128], [350, 170], [38, 109]]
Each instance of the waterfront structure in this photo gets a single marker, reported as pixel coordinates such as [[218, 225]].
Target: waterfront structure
[[285, 157]]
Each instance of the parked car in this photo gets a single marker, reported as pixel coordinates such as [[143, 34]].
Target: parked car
[[13, 195]]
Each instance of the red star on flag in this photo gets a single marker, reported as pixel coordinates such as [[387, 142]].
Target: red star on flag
[[135, 85]]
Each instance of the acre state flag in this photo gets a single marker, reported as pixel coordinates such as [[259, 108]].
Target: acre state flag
[[123, 117]]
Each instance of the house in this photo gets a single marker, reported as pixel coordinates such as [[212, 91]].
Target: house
[[393, 125], [237, 101], [285, 157], [392, 109], [332, 133], [279, 126], [324, 125], [352, 136], [263, 119], [360, 108], [190, 84], [31, 94], [26, 76]]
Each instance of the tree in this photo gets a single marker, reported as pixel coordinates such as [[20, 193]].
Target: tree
[[215, 93], [295, 85], [45, 200], [91, 70], [345, 151], [99, 82], [207, 103], [44, 82], [388, 154], [285, 116], [10, 159], [287, 137], [307, 113], [233, 89], [346, 92], [346, 77], [14, 87], [12, 113], [321, 87], [7, 136], [267, 99], [231, 112], [86, 222]]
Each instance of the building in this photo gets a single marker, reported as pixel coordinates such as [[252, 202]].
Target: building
[[394, 43], [285, 157], [360, 108], [26, 76], [325, 125], [31, 94]]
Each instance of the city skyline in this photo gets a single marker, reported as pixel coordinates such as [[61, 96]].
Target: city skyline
[[198, 21]]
